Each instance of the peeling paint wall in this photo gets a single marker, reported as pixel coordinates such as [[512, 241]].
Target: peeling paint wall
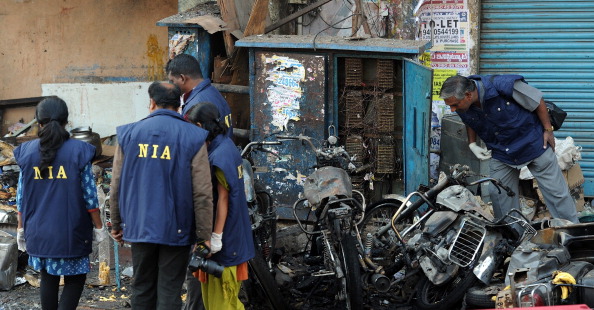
[[103, 107], [79, 41]]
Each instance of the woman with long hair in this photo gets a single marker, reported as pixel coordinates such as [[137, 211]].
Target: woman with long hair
[[58, 209]]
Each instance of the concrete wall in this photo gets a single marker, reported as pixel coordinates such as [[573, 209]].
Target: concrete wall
[[79, 41], [102, 106]]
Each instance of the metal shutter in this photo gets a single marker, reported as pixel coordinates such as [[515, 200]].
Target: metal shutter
[[550, 43]]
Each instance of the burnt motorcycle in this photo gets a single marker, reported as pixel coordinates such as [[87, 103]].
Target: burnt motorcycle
[[260, 287], [335, 209], [431, 257]]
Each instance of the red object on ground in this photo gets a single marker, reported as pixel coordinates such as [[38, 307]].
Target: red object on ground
[[565, 307]]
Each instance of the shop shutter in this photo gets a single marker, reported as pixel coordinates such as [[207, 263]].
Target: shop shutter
[[550, 43]]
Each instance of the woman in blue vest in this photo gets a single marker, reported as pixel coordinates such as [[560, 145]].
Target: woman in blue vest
[[231, 242], [57, 202]]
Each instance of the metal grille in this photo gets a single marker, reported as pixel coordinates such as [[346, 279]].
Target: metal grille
[[467, 243], [385, 156], [354, 147], [385, 73], [380, 114], [385, 113], [353, 71], [354, 109]]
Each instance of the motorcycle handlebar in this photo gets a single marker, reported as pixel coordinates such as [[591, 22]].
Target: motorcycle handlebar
[[429, 195], [251, 145]]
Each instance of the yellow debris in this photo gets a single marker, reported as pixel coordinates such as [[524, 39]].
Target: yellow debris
[[560, 277], [103, 273], [110, 298]]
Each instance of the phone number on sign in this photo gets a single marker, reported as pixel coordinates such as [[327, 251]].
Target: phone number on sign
[[440, 31]]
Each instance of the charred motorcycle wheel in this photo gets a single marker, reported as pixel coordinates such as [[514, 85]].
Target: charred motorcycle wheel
[[481, 296], [376, 233], [351, 288], [260, 288], [265, 233], [445, 296]]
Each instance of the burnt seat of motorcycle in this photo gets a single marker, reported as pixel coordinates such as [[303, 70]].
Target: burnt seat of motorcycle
[[531, 262], [327, 182]]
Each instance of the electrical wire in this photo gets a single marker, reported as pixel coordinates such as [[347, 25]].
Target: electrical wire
[[316, 36]]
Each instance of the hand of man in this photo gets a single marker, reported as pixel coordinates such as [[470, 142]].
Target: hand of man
[[99, 234], [21, 240], [117, 236], [479, 152], [216, 242], [549, 138]]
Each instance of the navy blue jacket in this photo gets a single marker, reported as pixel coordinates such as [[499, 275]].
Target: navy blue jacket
[[54, 214], [155, 194], [205, 92], [512, 133], [238, 243]]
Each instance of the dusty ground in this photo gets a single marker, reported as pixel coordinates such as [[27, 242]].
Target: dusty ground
[[301, 291]]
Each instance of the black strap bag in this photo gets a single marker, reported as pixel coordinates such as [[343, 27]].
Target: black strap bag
[[556, 114]]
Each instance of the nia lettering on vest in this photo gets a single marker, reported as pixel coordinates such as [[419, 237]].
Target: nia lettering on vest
[[61, 173], [157, 151]]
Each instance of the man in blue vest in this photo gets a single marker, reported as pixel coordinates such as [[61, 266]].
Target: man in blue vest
[[510, 116], [184, 71], [161, 197]]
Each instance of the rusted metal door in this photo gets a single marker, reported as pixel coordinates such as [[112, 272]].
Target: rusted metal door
[[288, 97], [417, 106]]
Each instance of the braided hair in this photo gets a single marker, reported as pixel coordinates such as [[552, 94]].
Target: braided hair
[[207, 114], [52, 114]]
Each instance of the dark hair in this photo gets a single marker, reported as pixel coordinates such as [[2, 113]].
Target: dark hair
[[184, 64], [207, 114], [52, 114], [456, 86], [165, 95]]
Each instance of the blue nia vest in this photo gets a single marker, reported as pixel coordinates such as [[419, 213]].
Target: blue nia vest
[[205, 92], [156, 204], [56, 221], [512, 133], [238, 243]]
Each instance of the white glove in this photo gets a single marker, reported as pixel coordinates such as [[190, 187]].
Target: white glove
[[216, 242], [21, 240], [479, 152], [99, 234]]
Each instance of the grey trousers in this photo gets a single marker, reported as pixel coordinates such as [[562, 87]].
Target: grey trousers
[[551, 183]]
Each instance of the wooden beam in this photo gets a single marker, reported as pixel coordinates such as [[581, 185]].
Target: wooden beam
[[295, 15], [229, 15], [234, 89], [360, 18], [257, 20]]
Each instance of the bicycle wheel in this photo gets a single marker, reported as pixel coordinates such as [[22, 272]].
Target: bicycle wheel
[[351, 288], [380, 246], [260, 288]]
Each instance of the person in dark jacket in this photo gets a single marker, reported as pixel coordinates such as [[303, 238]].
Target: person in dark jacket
[[510, 116], [161, 197], [58, 214], [184, 71], [231, 241]]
